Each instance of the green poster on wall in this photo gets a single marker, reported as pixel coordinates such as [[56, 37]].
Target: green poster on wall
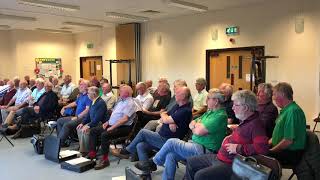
[[46, 67]]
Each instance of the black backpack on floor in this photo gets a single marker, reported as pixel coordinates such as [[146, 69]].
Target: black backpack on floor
[[38, 143]]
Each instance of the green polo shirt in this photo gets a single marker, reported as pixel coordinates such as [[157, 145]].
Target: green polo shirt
[[216, 123], [290, 124]]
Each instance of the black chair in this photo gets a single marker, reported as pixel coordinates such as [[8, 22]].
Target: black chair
[[4, 135], [316, 120], [308, 167]]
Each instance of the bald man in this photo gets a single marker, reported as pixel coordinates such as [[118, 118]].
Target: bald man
[[175, 125]]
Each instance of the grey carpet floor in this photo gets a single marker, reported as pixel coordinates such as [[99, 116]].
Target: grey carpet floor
[[22, 163]]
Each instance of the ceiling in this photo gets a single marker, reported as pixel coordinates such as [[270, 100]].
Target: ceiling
[[94, 12]]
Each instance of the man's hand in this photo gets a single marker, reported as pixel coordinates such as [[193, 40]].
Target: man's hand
[[192, 124], [74, 118], [105, 125], [110, 128], [232, 148], [36, 109], [80, 126], [3, 107], [62, 111], [85, 129], [173, 127]]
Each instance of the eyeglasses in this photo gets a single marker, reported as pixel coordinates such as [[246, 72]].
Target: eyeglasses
[[237, 105]]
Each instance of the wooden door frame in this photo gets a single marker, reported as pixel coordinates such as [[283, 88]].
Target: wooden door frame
[[215, 51], [85, 57]]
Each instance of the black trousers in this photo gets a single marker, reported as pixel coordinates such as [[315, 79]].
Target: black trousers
[[288, 157], [98, 133], [143, 119]]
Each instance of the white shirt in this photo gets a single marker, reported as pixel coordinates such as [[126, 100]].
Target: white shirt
[[66, 90], [144, 101], [200, 100], [109, 99]]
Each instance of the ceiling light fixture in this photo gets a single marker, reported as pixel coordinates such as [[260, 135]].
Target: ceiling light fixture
[[53, 30], [19, 18], [187, 5], [46, 4], [82, 24], [4, 27], [125, 16]]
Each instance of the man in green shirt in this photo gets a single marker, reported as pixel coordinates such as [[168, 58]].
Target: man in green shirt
[[208, 131], [289, 135]]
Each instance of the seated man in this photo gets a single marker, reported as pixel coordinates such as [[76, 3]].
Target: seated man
[[44, 107], [8, 95], [289, 135], [144, 99], [227, 90], [150, 89], [19, 100], [155, 125], [37, 92], [97, 114], [161, 100], [108, 96], [268, 111], [247, 139], [208, 132], [200, 98], [175, 125], [66, 90], [119, 124], [66, 125]]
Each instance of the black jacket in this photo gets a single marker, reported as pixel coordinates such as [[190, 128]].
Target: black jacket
[[48, 103]]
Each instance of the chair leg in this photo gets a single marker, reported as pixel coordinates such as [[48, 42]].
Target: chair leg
[[314, 128], [291, 176], [4, 136]]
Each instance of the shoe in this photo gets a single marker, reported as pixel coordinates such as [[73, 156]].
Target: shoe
[[17, 134], [84, 154], [122, 153], [101, 164], [146, 166]]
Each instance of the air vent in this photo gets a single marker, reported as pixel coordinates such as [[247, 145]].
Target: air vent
[[150, 12]]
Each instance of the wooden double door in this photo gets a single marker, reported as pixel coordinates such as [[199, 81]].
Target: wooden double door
[[231, 67], [91, 66]]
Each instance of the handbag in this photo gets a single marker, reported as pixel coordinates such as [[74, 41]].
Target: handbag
[[248, 168], [38, 143]]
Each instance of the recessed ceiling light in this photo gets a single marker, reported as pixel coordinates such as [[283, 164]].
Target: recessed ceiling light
[[19, 18], [4, 27], [53, 30], [125, 16], [187, 5], [46, 4], [82, 24]]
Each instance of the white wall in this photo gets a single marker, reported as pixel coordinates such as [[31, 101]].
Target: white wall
[[6, 58], [104, 45], [19, 48], [181, 53]]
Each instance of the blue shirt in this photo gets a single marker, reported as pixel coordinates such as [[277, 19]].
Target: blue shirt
[[82, 102], [22, 96], [182, 116], [37, 93], [122, 108]]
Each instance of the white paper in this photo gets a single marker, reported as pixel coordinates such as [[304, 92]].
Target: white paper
[[119, 178], [98, 67], [77, 161], [68, 153]]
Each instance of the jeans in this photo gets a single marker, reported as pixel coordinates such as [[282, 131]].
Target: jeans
[[207, 167], [65, 126], [175, 150], [144, 142]]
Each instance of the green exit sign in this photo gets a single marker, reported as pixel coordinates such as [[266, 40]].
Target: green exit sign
[[233, 30], [90, 45]]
